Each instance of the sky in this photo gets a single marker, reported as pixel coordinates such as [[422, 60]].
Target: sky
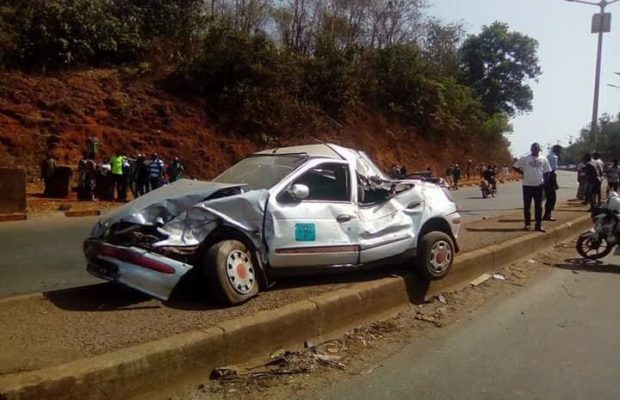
[[563, 95]]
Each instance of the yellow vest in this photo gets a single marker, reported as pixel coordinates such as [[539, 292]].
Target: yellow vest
[[116, 162]]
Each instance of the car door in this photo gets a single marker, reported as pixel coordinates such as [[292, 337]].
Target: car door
[[320, 230], [387, 228]]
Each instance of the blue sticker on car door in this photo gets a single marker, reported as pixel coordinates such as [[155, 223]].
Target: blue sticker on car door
[[305, 232]]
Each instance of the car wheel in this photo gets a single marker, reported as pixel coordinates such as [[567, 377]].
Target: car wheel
[[435, 255], [231, 272]]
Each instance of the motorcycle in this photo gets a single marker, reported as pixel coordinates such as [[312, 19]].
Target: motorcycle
[[599, 241], [487, 188]]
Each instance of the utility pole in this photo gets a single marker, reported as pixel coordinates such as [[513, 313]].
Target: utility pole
[[601, 23]]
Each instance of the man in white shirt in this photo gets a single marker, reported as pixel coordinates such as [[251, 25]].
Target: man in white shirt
[[535, 169], [551, 184]]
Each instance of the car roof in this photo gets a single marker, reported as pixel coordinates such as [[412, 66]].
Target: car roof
[[312, 150], [362, 163]]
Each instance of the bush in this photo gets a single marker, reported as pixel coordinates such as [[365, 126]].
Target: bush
[[51, 34], [249, 84]]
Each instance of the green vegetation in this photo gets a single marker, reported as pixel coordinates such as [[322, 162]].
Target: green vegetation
[[607, 142], [275, 68]]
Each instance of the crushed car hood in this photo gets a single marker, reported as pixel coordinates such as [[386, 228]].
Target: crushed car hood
[[166, 202]]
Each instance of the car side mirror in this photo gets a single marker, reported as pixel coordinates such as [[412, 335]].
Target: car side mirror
[[299, 191]]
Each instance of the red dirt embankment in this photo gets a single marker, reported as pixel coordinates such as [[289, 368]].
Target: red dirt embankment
[[134, 114]]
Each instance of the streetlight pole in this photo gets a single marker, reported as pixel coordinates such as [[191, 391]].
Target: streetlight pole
[[599, 52]]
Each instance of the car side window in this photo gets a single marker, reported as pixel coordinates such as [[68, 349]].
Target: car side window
[[327, 182]]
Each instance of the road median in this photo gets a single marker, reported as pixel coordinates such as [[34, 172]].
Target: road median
[[187, 356]]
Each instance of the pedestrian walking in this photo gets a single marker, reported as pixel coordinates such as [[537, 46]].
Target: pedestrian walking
[[613, 177], [449, 175], [156, 172], [551, 184], [456, 175], [504, 174], [48, 166], [470, 168], [176, 170], [535, 169], [117, 164], [582, 180]]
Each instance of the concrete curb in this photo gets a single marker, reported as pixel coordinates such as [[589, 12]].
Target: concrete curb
[[189, 357], [86, 213], [13, 217]]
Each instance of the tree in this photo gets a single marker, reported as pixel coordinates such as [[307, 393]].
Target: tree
[[498, 63]]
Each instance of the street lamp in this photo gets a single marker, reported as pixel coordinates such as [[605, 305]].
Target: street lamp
[[600, 25]]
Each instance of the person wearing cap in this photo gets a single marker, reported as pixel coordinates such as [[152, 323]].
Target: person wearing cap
[[535, 169], [551, 185]]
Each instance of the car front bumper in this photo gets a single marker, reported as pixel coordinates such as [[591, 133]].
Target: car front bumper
[[148, 272]]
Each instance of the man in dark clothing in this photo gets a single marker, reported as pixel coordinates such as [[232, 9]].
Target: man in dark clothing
[[48, 166], [551, 185], [176, 170], [592, 179], [489, 176], [142, 175], [456, 175]]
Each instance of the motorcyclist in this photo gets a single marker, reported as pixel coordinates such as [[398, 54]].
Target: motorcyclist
[[489, 176]]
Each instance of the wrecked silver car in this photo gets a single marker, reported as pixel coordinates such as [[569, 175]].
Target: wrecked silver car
[[277, 212]]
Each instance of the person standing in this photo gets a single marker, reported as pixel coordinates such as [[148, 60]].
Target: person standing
[[156, 172], [449, 175], [595, 184], [48, 166], [551, 185], [470, 168], [456, 175], [613, 177], [535, 169], [142, 175], [117, 166], [176, 170]]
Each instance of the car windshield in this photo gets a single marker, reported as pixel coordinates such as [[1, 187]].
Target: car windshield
[[262, 171]]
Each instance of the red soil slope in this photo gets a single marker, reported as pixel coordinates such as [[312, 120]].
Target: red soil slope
[[134, 114]]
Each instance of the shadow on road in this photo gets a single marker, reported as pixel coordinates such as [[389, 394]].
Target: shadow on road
[[191, 294], [583, 264], [99, 297], [494, 229]]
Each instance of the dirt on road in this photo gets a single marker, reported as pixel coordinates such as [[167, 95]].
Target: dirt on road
[[60, 326], [300, 375]]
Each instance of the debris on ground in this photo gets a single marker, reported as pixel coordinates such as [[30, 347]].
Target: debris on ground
[[481, 279], [499, 277]]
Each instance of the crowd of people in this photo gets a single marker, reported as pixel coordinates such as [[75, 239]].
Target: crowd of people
[[137, 174], [590, 175]]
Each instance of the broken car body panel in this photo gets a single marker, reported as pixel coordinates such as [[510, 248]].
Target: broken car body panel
[[353, 215]]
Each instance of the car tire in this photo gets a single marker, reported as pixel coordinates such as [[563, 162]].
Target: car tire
[[231, 272], [435, 255]]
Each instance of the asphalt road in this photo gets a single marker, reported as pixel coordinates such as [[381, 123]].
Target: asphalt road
[[44, 253], [509, 198], [556, 339]]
